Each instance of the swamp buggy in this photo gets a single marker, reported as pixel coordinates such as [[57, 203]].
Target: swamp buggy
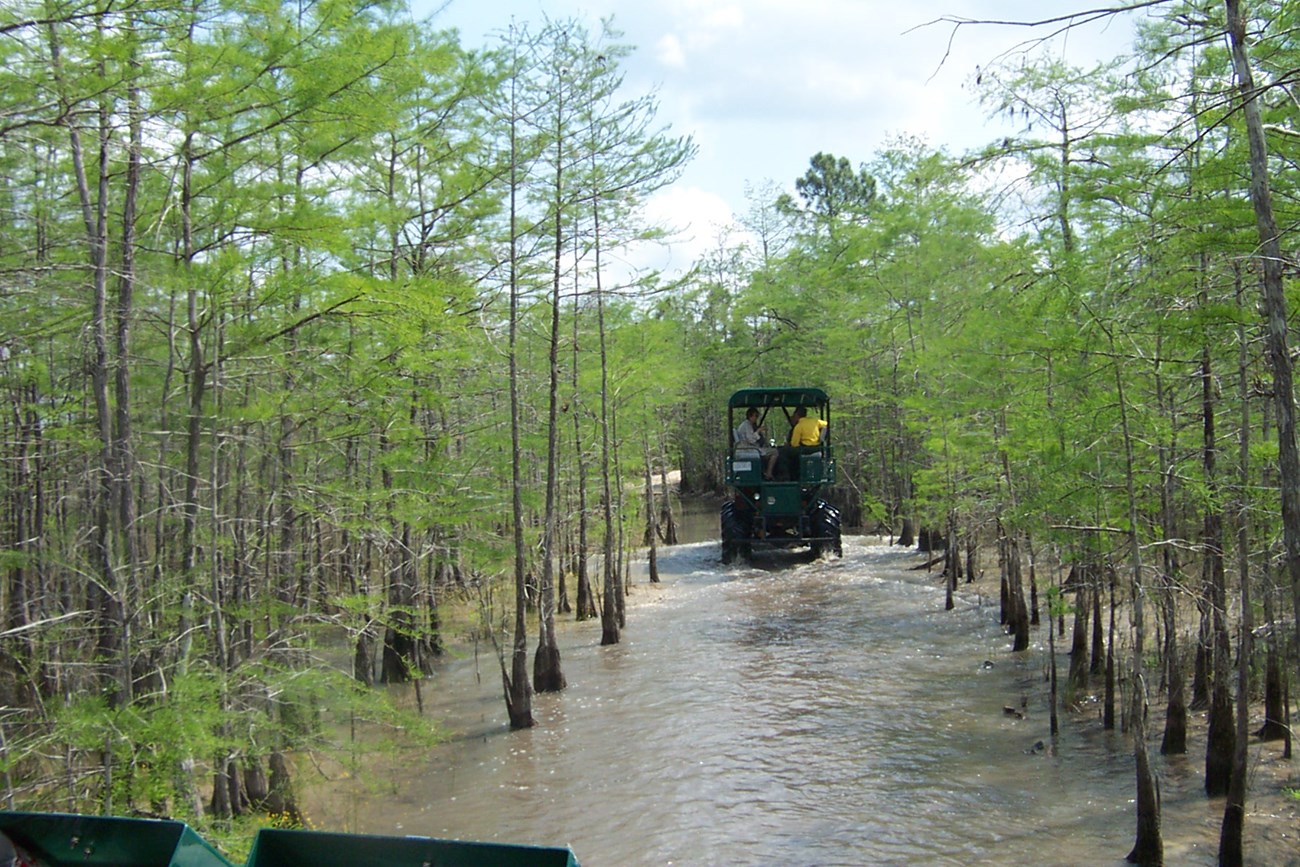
[[787, 510]]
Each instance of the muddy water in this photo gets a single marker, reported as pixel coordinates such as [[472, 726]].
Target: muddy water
[[785, 713]]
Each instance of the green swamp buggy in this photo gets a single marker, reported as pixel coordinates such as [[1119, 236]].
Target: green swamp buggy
[[788, 510]]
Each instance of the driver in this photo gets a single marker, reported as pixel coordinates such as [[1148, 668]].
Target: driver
[[751, 435]]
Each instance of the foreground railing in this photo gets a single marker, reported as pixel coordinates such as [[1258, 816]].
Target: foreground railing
[[63, 840]]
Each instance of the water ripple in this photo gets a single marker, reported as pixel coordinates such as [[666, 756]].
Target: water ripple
[[827, 713]]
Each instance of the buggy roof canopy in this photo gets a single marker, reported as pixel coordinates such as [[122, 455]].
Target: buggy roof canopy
[[747, 397]]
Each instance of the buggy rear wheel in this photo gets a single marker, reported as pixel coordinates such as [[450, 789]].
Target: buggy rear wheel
[[826, 530], [735, 535]]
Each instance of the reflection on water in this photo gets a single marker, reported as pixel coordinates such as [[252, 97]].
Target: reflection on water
[[821, 713]]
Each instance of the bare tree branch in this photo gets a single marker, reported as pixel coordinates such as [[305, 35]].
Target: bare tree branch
[[1060, 24]]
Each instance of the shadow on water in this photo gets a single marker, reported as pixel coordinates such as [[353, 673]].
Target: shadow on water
[[827, 712]]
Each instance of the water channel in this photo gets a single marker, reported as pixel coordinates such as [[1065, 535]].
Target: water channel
[[787, 712]]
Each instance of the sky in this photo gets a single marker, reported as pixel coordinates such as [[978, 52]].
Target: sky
[[763, 85]]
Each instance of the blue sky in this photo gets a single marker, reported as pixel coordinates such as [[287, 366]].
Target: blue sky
[[762, 85]]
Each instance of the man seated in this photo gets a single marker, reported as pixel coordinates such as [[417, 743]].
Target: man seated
[[805, 433], [751, 435]]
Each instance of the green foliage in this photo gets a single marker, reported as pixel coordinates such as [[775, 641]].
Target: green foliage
[[144, 743], [974, 343], [832, 189], [313, 417], [1057, 604], [315, 394], [151, 741]]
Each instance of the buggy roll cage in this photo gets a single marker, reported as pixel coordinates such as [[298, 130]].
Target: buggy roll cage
[[784, 398]]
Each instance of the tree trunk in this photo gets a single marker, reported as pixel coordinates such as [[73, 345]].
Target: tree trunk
[[1219, 744], [362, 662], [1054, 723], [256, 789], [547, 673], [620, 543], [669, 520], [609, 612], [563, 562], [1201, 662], [1004, 580], [1033, 583], [1233, 829], [281, 800], [1019, 626], [1077, 679], [1174, 741], [101, 591], [651, 513], [1219, 739], [1275, 307], [951, 565], [1286, 722], [128, 587], [518, 690], [1108, 700], [1097, 664], [586, 600], [1274, 727], [1148, 846], [220, 805], [400, 652]]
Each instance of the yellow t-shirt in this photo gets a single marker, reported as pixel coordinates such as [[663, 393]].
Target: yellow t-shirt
[[807, 432]]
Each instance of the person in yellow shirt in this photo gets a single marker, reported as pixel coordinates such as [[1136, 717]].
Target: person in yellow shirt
[[807, 431]]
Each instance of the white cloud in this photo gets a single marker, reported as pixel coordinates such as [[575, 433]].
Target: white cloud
[[704, 22], [670, 52], [694, 217], [702, 209], [845, 76], [762, 85]]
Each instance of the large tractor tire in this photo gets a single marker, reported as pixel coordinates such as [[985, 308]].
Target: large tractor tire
[[726, 531], [826, 530], [735, 535]]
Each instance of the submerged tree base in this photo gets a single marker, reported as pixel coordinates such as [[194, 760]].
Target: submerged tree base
[[548, 676]]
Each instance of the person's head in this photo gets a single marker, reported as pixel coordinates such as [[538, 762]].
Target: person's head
[[752, 413], [800, 412]]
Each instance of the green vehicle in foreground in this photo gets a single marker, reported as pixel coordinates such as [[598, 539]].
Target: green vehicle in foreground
[[63, 840], [67, 840], [789, 509]]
